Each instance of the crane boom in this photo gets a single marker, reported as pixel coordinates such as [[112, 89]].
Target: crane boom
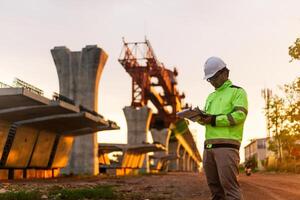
[[151, 81]]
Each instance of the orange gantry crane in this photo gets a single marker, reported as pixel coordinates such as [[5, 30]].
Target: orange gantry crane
[[152, 81]]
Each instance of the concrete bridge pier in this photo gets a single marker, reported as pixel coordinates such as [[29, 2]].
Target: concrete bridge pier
[[185, 161], [162, 137], [182, 153], [138, 123], [188, 163], [186, 140], [195, 167], [174, 151], [192, 165], [79, 74]]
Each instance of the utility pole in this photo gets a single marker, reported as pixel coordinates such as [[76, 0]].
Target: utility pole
[[276, 132], [267, 95]]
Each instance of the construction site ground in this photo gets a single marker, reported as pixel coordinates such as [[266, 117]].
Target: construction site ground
[[177, 186]]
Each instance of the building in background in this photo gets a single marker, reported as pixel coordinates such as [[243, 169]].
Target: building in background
[[257, 150]]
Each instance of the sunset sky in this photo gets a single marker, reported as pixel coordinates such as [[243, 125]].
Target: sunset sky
[[252, 37]]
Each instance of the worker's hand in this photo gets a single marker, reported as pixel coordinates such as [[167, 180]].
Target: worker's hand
[[206, 119]]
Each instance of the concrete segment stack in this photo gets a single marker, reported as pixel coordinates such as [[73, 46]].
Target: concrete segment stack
[[36, 133]]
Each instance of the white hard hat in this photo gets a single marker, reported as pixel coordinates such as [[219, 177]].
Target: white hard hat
[[212, 66]]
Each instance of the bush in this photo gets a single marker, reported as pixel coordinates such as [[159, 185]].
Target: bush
[[287, 165]]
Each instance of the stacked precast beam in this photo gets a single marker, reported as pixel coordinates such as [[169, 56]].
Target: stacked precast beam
[[36, 133], [132, 161]]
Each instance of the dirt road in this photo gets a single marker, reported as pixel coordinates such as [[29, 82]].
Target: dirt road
[[271, 186], [176, 186], [188, 186]]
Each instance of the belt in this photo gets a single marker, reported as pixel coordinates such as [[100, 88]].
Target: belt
[[221, 145]]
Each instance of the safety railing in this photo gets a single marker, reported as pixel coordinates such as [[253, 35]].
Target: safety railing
[[3, 85]]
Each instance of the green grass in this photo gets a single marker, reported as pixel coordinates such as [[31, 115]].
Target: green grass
[[58, 193], [22, 195], [99, 192]]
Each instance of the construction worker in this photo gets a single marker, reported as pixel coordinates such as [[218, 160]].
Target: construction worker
[[227, 110]]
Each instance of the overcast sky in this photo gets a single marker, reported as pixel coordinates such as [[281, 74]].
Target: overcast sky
[[251, 36]]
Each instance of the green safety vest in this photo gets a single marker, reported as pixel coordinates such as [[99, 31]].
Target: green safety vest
[[229, 106]]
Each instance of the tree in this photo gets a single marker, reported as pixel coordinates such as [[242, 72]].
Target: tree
[[294, 50], [275, 118], [283, 119]]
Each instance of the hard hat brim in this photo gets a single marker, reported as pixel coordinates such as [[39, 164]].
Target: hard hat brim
[[211, 75], [208, 76]]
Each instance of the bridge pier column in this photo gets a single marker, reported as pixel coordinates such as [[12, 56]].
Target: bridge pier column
[[79, 74], [195, 166], [138, 122], [174, 151], [182, 153], [188, 167], [192, 165], [185, 161], [162, 137]]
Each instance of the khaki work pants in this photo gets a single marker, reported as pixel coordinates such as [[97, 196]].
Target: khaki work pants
[[221, 170]]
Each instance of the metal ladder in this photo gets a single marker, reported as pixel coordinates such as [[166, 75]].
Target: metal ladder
[[9, 141]]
